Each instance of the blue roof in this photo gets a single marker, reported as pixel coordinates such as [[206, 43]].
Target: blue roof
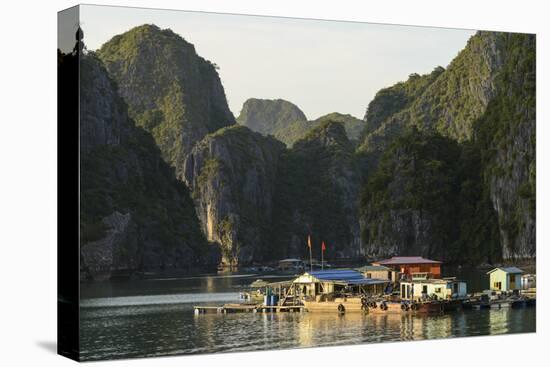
[[345, 275]]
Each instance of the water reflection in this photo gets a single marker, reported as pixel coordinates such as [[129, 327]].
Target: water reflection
[[128, 324]]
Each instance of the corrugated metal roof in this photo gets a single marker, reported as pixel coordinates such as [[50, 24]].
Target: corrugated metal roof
[[509, 269], [367, 281], [345, 275], [401, 260], [336, 274]]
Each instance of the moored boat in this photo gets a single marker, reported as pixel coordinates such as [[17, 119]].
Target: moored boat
[[335, 304]]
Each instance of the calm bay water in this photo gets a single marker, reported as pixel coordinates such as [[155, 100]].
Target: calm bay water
[[139, 318]]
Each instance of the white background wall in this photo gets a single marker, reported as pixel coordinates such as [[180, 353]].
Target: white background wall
[[28, 178]]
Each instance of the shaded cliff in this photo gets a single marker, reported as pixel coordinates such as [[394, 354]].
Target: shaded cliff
[[232, 174], [506, 134], [485, 102], [171, 91], [427, 198], [134, 214], [317, 191]]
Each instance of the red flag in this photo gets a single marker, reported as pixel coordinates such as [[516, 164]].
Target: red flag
[[309, 241], [323, 247]]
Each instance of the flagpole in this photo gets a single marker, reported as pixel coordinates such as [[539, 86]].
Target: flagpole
[[322, 259], [310, 260]]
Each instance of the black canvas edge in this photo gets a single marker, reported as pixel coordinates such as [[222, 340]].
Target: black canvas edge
[[68, 197]]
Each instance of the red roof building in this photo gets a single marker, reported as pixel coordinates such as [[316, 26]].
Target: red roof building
[[409, 265]]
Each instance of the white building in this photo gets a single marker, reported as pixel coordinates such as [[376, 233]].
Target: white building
[[446, 288]]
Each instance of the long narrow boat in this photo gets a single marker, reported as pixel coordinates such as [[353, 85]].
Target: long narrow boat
[[360, 304], [337, 304]]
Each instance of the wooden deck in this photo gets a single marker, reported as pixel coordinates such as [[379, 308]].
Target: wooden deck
[[239, 307]]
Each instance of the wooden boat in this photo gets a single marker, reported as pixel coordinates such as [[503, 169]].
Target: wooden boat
[[382, 307], [431, 307], [341, 304], [501, 303], [344, 304]]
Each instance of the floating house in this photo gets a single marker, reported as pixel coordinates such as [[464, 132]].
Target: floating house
[[440, 289], [326, 282], [379, 272], [528, 281], [505, 279], [409, 265], [316, 264], [291, 264]]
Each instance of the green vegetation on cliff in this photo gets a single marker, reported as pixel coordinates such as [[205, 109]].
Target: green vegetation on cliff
[[232, 173], [444, 164], [316, 195], [299, 129], [171, 92], [427, 198], [506, 136], [448, 100], [287, 123], [485, 101], [389, 101], [268, 116], [122, 171]]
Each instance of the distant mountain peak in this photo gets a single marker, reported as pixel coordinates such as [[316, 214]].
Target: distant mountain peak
[[171, 91], [267, 116]]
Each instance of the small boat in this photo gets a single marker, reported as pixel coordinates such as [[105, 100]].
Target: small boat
[[501, 303], [343, 304]]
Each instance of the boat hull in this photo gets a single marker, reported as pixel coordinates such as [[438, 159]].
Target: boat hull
[[340, 305]]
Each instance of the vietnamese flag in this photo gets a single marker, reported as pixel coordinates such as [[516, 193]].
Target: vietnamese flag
[[323, 247]]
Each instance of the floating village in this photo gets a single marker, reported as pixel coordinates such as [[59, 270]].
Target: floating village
[[402, 284]]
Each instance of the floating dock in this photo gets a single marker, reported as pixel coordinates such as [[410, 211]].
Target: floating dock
[[240, 307]]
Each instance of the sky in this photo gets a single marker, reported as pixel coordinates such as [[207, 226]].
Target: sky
[[321, 66]]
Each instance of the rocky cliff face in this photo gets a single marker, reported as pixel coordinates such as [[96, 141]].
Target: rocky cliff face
[[317, 190], [232, 174], [268, 116], [299, 129], [445, 165], [507, 136], [287, 123], [171, 92], [427, 198], [485, 101], [448, 101], [134, 215]]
